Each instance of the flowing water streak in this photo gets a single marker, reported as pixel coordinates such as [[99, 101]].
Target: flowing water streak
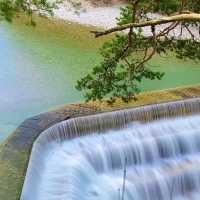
[[83, 158]]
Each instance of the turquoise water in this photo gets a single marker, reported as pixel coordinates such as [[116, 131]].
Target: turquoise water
[[38, 71], [39, 68]]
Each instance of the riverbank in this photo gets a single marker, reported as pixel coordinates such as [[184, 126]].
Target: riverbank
[[105, 16], [15, 151], [87, 14]]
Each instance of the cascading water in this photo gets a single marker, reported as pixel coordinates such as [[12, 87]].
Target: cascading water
[[117, 156]]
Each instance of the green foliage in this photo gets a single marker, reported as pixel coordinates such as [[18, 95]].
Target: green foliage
[[194, 5], [125, 15], [166, 7], [187, 49], [113, 77], [125, 58], [9, 8], [6, 10]]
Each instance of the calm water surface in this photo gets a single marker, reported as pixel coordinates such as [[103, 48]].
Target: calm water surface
[[39, 68]]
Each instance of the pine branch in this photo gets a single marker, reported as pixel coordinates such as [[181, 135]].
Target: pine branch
[[190, 17]]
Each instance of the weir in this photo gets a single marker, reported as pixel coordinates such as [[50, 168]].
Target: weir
[[146, 153]]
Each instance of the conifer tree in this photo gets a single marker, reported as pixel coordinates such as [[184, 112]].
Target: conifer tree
[[125, 58]]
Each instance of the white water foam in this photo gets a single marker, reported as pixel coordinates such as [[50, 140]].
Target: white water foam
[[163, 163]]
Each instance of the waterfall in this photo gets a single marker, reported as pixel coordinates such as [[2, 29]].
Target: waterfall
[[156, 146]]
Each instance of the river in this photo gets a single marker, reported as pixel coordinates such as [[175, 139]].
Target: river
[[39, 67]]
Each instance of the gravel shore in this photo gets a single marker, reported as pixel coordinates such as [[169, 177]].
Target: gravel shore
[[85, 13]]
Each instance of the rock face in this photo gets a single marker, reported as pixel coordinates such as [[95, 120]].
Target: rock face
[[14, 153]]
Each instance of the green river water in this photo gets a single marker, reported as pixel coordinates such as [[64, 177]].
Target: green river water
[[39, 68]]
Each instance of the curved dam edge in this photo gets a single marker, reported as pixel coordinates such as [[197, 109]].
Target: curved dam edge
[[15, 151], [98, 124]]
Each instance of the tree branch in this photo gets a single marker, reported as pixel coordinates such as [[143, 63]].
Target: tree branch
[[147, 58], [176, 18]]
